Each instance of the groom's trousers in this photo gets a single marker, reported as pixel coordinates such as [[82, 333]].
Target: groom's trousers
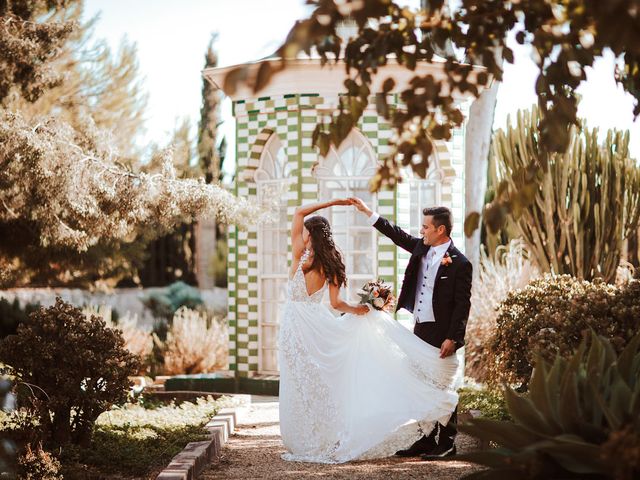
[[429, 333], [447, 433]]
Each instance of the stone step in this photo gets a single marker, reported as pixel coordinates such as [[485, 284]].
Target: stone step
[[193, 459]]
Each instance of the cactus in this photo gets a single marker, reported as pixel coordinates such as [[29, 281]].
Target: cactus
[[581, 417], [586, 201]]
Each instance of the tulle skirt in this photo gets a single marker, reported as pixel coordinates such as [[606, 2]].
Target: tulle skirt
[[358, 387]]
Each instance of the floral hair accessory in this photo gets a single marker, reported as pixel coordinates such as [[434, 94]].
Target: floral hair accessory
[[446, 260]]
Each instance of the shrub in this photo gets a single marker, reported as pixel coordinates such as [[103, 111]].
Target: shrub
[[196, 343], [38, 465], [133, 440], [509, 269], [490, 402], [165, 302], [12, 315], [75, 366], [134, 449], [551, 315], [580, 419]]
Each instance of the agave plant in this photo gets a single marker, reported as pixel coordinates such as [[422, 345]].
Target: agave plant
[[580, 419]]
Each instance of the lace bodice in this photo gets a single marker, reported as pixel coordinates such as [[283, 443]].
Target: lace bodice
[[297, 287]]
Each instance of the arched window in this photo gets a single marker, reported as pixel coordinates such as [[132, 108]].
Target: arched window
[[344, 173], [272, 176], [273, 161]]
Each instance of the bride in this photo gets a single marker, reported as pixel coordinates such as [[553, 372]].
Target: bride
[[358, 386]]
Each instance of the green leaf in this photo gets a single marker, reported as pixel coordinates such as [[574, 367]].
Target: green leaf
[[351, 86], [356, 107], [507, 54], [494, 216], [524, 413], [569, 410], [471, 223], [233, 78], [575, 455], [504, 433], [263, 76], [625, 360], [494, 458], [539, 394], [364, 91], [553, 383], [382, 107], [388, 85]]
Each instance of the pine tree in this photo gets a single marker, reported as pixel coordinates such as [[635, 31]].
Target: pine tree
[[210, 160], [28, 47]]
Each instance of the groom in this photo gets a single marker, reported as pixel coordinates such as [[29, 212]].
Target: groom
[[437, 290]]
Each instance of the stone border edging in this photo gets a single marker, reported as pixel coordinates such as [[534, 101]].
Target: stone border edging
[[193, 458]]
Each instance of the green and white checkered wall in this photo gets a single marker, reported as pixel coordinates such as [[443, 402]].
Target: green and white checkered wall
[[293, 118]]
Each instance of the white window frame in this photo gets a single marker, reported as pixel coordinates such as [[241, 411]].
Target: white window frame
[[332, 169], [272, 172]]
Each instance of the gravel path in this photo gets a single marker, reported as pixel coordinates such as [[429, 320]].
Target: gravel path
[[254, 452]]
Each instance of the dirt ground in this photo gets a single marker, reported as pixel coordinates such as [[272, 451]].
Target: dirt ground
[[255, 448]]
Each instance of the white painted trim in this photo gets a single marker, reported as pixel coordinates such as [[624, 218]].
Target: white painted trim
[[309, 76]]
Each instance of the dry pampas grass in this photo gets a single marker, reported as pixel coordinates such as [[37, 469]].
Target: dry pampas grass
[[196, 343], [509, 269]]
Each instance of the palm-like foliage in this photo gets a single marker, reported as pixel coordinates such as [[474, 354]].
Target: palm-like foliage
[[580, 419]]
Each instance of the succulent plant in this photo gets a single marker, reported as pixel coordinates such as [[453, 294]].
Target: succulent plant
[[580, 419]]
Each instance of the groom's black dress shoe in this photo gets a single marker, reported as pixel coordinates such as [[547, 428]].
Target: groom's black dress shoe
[[440, 452], [424, 445]]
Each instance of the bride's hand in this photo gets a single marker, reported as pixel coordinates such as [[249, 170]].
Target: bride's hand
[[361, 310]]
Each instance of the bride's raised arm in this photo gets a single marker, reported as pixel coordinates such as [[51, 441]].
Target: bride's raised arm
[[297, 243]]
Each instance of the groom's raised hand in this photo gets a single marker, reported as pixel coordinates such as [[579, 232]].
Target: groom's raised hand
[[448, 348], [360, 205]]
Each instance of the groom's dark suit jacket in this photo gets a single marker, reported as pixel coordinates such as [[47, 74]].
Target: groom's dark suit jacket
[[451, 290]]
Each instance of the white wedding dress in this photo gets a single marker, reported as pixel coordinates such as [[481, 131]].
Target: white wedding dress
[[356, 386]]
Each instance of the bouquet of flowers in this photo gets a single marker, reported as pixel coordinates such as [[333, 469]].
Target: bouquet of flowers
[[377, 294]]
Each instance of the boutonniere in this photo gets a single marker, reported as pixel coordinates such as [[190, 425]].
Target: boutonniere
[[446, 260]]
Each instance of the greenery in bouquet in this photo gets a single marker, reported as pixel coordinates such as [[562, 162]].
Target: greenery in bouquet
[[377, 294]]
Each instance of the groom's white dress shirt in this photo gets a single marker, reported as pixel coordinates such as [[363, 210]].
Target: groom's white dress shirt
[[423, 306]]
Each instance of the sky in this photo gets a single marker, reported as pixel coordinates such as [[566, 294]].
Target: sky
[[172, 37]]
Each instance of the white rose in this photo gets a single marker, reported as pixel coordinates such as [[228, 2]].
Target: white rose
[[378, 302]]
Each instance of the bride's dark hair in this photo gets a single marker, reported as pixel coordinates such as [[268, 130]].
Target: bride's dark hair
[[326, 257]]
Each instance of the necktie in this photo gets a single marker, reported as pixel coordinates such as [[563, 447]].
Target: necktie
[[430, 255]]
